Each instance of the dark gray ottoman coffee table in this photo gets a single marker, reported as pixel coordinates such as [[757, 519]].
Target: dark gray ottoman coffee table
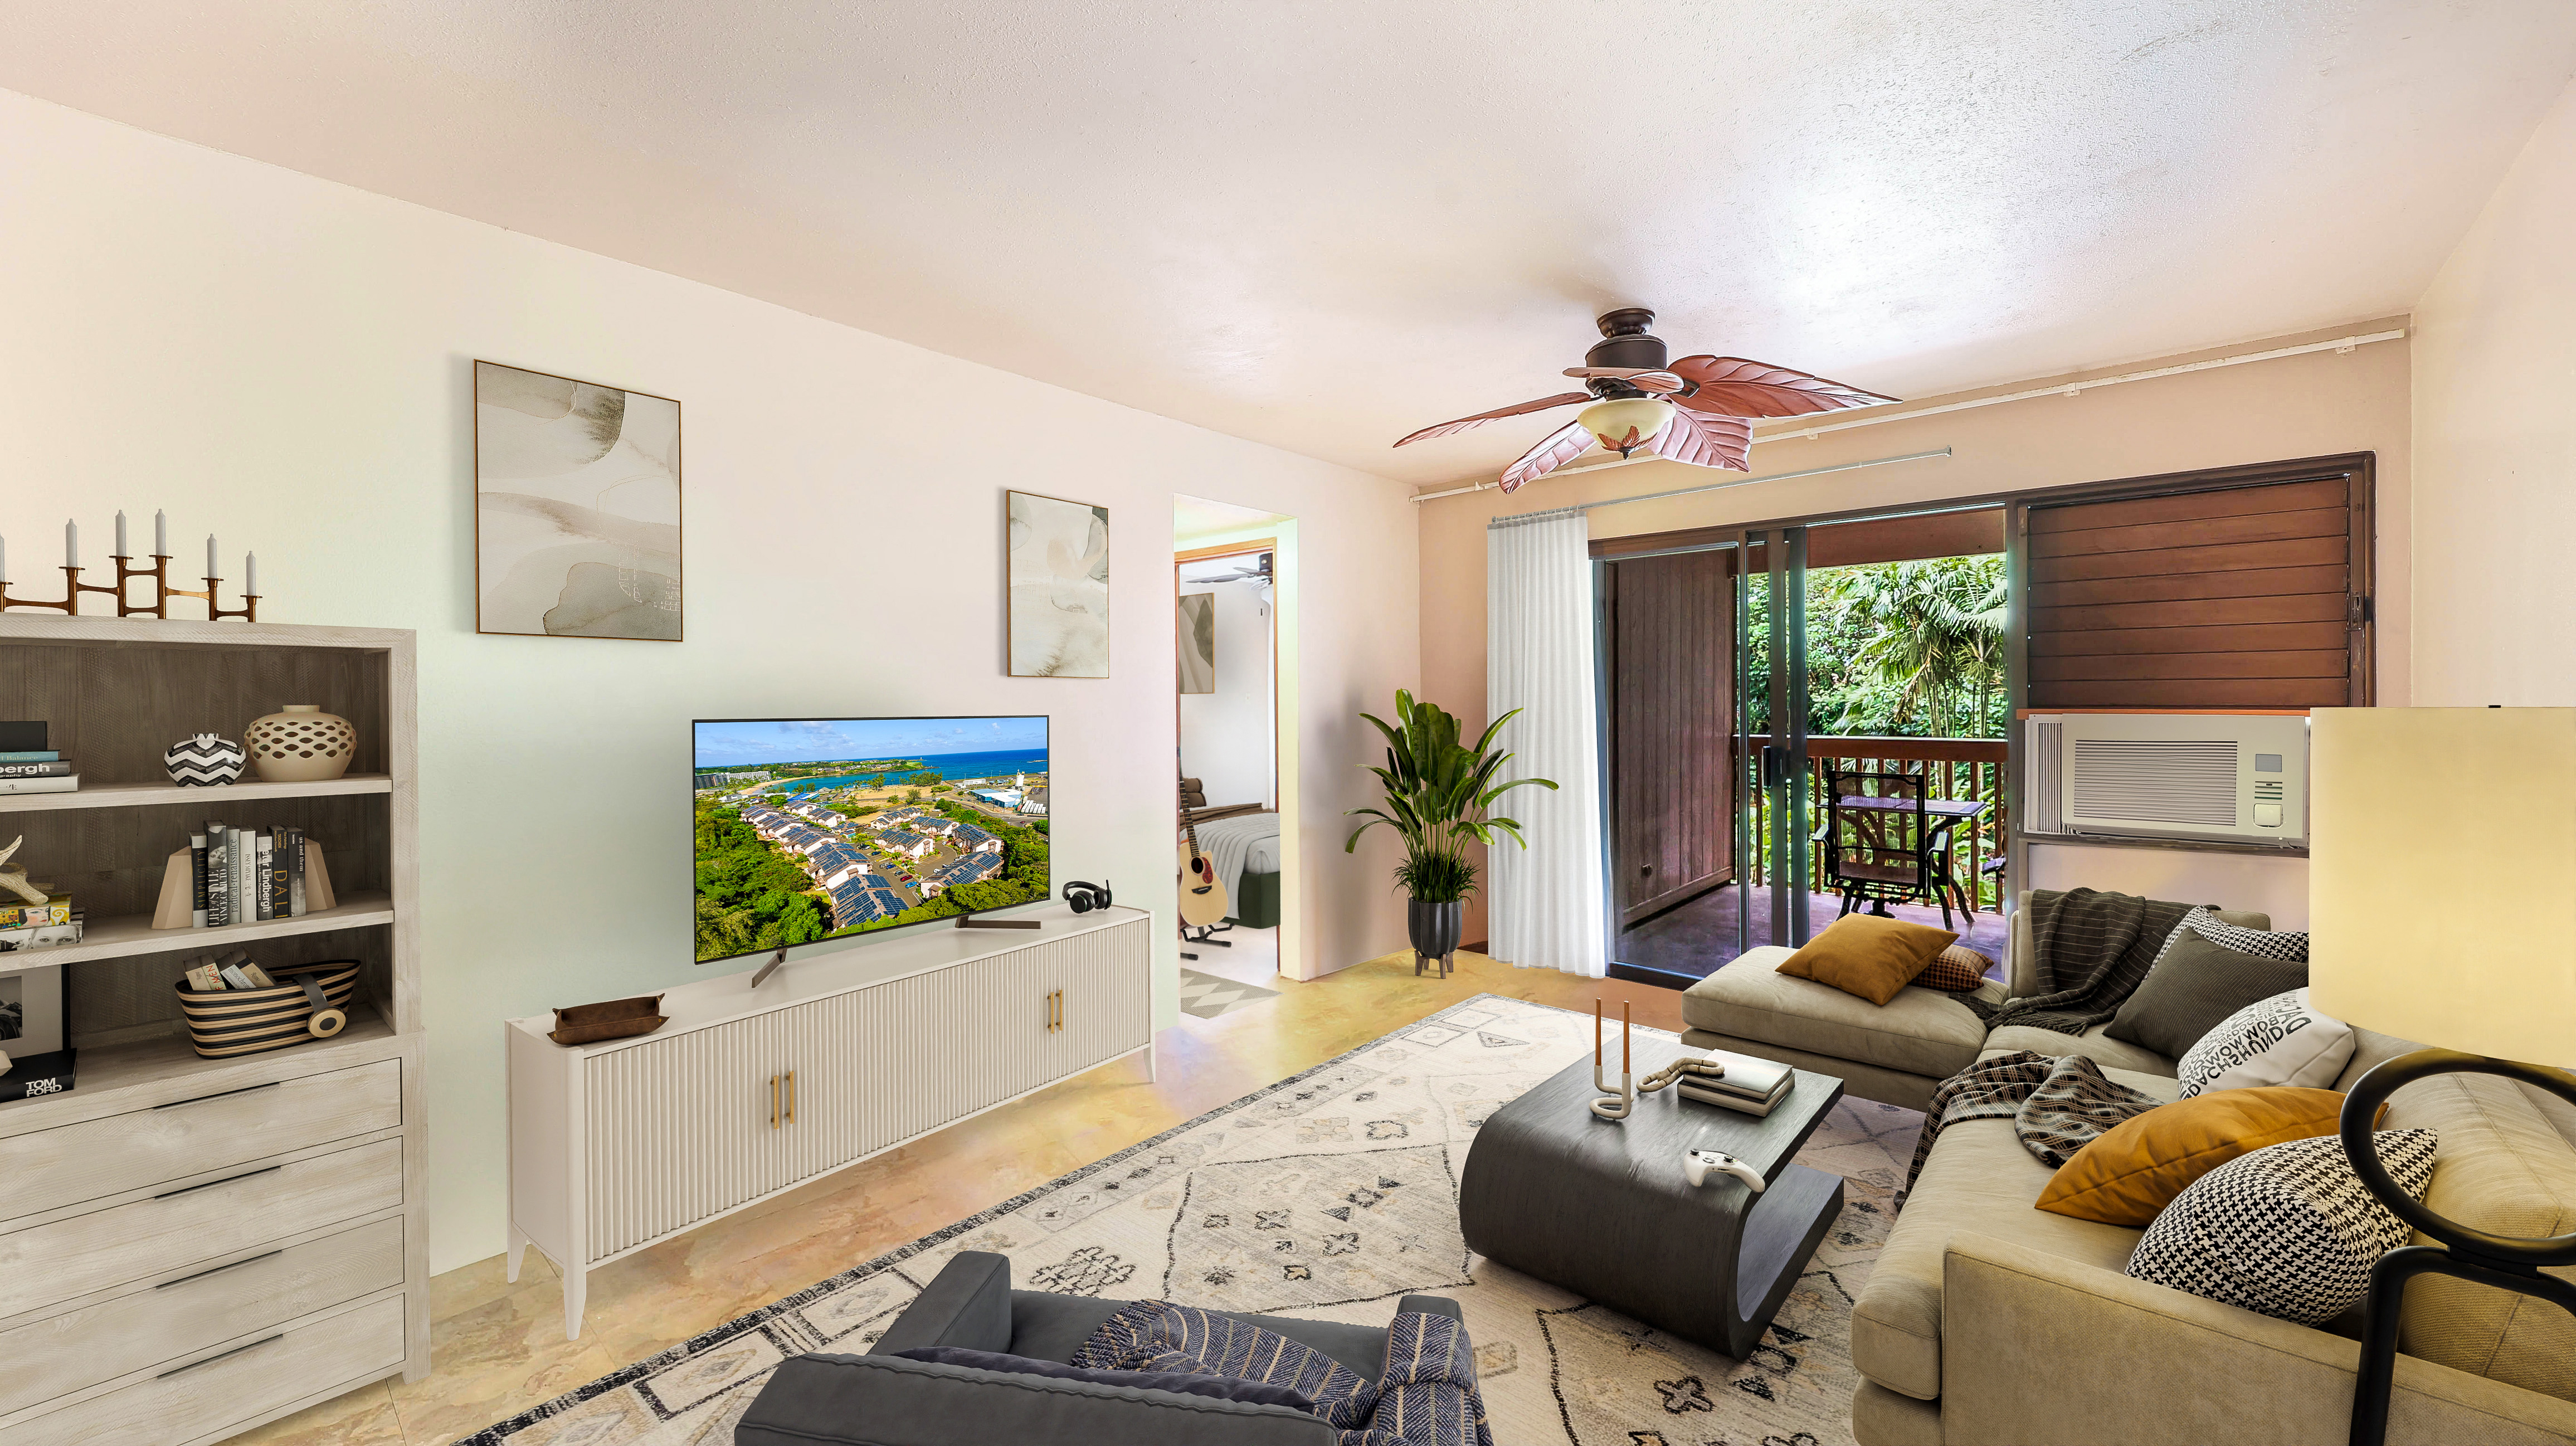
[[1603, 1209]]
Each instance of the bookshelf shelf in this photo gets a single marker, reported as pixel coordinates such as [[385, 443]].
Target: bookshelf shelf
[[133, 934], [149, 795], [166, 1063]]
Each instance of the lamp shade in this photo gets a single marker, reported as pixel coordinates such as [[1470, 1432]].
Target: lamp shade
[[2442, 876], [1625, 423]]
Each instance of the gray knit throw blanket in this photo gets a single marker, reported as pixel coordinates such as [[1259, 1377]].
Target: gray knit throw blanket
[[2057, 1106], [2091, 949]]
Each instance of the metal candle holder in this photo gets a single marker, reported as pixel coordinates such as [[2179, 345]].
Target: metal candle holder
[[162, 592], [1614, 1104]]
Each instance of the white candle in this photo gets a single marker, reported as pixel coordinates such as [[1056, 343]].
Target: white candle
[[210, 554], [120, 534], [4, 560], [71, 544], [160, 534], [250, 574]]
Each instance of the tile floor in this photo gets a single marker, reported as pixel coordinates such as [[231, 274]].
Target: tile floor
[[499, 1348]]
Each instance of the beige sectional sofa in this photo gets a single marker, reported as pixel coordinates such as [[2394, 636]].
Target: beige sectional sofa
[[1986, 1321]]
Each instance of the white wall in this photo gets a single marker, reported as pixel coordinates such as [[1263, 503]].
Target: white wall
[[1226, 738], [285, 361], [2495, 443]]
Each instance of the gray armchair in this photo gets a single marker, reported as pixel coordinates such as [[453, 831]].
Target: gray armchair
[[881, 1399]]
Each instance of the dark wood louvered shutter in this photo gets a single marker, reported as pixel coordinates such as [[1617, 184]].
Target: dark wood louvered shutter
[[2244, 596], [1671, 644]]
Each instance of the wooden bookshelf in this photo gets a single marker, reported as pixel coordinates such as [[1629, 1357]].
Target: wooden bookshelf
[[115, 693]]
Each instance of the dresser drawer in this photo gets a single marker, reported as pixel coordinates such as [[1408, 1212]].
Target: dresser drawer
[[97, 1158], [145, 1238], [198, 1398], [166, 1324]]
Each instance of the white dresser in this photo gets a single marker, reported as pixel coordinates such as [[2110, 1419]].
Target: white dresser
[[747, 1092]]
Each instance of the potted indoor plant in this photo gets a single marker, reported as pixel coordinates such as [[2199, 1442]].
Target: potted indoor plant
[[1438, 792]]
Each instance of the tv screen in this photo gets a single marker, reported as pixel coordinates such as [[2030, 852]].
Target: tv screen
[[816, 828]]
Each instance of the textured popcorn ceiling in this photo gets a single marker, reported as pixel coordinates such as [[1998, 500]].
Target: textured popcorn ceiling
[[1321, 225]]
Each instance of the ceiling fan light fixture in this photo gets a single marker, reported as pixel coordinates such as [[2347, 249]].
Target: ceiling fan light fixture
[[1624, 424]]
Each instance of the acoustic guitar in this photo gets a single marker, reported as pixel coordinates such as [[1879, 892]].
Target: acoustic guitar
[[1203, 900]]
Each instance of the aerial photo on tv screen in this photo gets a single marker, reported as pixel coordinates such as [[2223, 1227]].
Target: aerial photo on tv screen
[[813, 828]]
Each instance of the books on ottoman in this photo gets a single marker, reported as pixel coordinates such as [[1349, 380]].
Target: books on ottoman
[[1751, 1086]]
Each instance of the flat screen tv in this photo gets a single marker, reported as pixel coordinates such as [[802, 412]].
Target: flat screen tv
[[816, 828]]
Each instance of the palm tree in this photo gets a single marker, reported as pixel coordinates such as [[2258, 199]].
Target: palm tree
[[1935, 630]]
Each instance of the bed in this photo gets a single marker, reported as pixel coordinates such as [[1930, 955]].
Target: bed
[[1246, 851]]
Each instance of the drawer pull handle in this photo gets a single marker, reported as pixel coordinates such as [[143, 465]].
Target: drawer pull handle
[[791, 1097], [773, 1102], [219, 1094], [210, 1184], [218, 1270], [217, 1356]]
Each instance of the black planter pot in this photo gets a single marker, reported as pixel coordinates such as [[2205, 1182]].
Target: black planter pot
[[1434, 929]]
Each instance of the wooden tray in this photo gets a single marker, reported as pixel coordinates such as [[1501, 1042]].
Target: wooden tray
[[615, 1019]]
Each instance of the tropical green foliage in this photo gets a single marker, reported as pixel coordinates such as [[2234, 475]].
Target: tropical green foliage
[[1438, 797], [1900, 649], [750, 894], [1023, 877]]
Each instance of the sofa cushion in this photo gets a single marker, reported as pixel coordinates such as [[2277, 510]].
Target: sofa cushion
[[813, 1400], [1919, 1031], [1956, 970], [1868, 957], [2131, 1172], [2505, 1167], [1979, 1179], [2093, 1044], [1188, 1383], [2196, 984], [2282, 1040]]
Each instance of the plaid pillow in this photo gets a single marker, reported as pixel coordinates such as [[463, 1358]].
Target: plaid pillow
[[1955, 970], [2284, 947]]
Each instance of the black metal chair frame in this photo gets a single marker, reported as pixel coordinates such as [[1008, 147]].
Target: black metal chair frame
[[1933, 879]]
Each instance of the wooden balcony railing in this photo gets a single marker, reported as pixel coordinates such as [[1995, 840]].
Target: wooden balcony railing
[[1957, 768]]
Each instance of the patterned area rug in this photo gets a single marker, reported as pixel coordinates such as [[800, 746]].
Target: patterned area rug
[[1208, 995], [1328, 1195]]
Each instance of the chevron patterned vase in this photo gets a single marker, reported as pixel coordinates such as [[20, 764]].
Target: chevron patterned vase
[[203, 761]]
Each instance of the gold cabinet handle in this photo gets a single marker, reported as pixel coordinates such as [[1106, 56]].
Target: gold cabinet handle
[[1059, 1011], [791, 1097], [773, 1102]]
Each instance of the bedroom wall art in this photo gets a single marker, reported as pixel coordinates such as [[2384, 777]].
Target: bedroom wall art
[[576, 507], [1198, 642], [1058, 564]]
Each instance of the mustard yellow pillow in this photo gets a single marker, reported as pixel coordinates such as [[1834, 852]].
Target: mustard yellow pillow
[[2132, 1172], [1866, 955]]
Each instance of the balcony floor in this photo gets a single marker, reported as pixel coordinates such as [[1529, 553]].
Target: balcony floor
[[1697, 937]]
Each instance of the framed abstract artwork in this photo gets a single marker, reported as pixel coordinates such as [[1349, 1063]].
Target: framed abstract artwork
[[1057, 559], [576, 508]]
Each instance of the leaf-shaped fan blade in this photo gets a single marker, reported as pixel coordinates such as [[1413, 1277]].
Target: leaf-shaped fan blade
[[1562, 446], [1642, 380], [1705, 441], [1445, 429], [1730, 386]]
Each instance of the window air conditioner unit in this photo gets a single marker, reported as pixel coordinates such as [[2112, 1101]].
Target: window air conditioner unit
[[2229, 776]]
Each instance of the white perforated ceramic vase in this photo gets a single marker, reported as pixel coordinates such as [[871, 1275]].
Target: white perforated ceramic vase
[[300, 744]]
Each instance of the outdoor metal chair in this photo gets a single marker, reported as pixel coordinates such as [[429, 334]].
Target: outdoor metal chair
[[1882, 843]]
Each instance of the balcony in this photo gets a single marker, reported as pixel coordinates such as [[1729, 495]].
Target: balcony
[[1697, 937]]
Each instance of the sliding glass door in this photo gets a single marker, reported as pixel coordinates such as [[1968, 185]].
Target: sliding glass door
[[1773, 827]]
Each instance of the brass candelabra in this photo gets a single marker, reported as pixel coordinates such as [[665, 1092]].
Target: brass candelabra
[[126, 572]]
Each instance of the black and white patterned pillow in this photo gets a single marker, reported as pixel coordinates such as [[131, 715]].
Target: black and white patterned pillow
[[2288, 1231], [2288, 948], [2282, 1040]]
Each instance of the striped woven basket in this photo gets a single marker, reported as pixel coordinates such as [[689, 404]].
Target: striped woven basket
[[229, 1022]]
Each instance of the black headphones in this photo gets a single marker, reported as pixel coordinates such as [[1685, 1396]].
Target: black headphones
[[1086, 896]]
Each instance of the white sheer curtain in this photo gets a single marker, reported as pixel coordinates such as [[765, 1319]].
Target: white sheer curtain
[[1544, 904]]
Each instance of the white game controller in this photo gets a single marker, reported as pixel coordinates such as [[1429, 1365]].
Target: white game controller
[[1700, 1164]]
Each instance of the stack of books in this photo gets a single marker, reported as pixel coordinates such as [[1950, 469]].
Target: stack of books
[[243, 875], [33, 768], [1751, 1086], [211, 975]]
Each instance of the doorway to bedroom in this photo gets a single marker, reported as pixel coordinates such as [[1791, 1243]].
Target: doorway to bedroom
[[1234, 869]]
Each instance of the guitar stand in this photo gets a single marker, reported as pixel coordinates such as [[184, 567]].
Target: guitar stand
[[1207, 934]]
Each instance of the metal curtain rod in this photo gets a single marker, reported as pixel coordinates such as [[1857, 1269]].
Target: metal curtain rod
[[1583, 507], [2059, 389]]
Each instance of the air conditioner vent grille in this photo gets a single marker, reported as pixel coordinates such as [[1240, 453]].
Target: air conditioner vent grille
[[2155, 780]]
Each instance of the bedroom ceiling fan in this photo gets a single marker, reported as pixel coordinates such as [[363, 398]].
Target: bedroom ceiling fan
[[1699, 410]]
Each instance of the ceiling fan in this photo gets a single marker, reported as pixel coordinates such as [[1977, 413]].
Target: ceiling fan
[[1699, 410]]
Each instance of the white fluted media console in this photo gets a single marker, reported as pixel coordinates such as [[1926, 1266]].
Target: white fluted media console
[[750, 1092]]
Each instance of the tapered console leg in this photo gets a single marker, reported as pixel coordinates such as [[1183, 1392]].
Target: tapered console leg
[[576, 1287]]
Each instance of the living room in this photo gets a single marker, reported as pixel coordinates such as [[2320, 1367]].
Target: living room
[[928, 340]]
